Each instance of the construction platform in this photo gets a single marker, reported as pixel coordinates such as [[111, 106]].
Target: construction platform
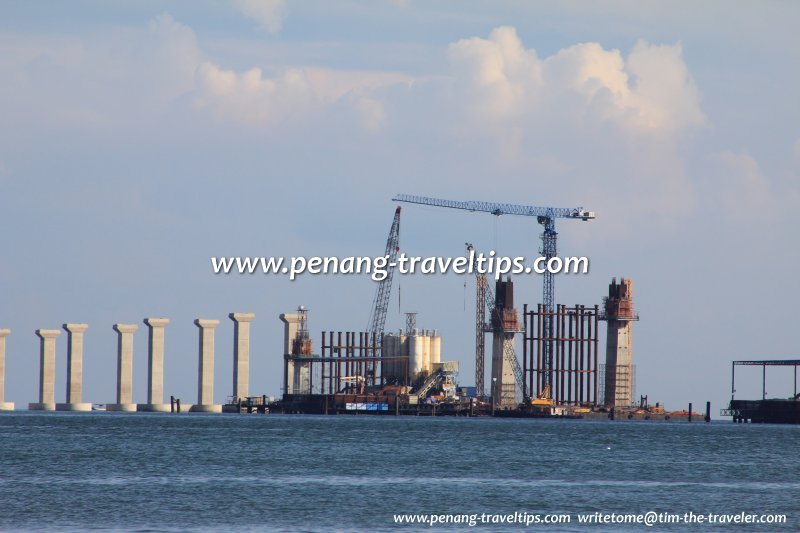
[[356, 404], [402, 405], [773, 411], [765, 411]]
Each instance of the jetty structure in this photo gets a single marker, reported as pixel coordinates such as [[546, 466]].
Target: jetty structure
[[776, 410]]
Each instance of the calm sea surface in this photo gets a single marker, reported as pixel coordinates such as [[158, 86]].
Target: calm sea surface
[[151, 472]]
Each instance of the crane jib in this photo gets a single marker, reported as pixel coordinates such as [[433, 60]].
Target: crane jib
[[383, 292], [498, 209]]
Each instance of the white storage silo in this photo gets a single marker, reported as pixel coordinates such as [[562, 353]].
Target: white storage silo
[[400, 366], [416, 352], [387, 350], [436, 349], [426, 353]]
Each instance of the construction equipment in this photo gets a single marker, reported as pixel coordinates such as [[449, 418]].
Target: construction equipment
[[480, 326], [546, 217], [358, 381], [543, 404], [484, 299], [377, 317], [430, 382]]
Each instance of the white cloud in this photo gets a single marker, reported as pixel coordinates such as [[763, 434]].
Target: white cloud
[[371, 112], [251, 98], [498, 73], [738, 185], [173, 53], [99, 80], [649, 91], [585, 121], [255, 98], [584, 117], [269, 14], [134, 76], [663, 91]]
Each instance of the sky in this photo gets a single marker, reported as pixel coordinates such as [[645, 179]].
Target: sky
[[140, 139]]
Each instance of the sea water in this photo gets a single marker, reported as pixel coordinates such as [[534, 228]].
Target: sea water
[[168, 472]]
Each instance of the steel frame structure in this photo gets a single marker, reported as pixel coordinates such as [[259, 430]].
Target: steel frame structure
[[573, 373]]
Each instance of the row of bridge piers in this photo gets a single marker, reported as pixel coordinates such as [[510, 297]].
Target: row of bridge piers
[[155, 366]]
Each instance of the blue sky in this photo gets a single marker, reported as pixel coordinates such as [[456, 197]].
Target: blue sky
[[138, 139]]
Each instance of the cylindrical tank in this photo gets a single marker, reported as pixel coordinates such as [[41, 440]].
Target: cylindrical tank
[[397, 365], [408, 349], [387, 351], [436, 349], [426, 353], [402, 349], [415, 355]]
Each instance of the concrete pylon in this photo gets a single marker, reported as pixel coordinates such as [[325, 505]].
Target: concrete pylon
[[155, 367], [124, 368], [504, 325], [4, 405], [241, 353], [74, 369], [47, 370], [619, 370], [504, 387], [293, 374], [205, 369]]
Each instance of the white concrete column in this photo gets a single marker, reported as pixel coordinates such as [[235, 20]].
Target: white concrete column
[[47, 370], [504, 384], [74, 369], [291, 374], [205, 369], [241, 353], [155, 366], [4, 405], [124, 368]]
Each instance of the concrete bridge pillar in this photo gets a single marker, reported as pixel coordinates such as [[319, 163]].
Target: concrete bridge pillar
[[124, 368], [155, 367], [74, 369], [4, 405], [47, 370], [205, 369], [241, 353]]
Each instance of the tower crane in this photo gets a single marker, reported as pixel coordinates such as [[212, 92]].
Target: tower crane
[[377, 317], [546, 217]]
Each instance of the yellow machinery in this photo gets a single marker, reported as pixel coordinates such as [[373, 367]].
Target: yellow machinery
[[543, 402]]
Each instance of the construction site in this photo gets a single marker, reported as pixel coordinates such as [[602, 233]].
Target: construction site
[[561, 372]]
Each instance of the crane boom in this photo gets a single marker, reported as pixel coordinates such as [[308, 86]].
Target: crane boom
[[546, 217], [499, 209], [380, 306], [481, 288]]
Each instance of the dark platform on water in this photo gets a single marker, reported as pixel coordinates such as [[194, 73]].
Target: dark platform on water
[[357, 404], [764, 411], [777, 411]]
